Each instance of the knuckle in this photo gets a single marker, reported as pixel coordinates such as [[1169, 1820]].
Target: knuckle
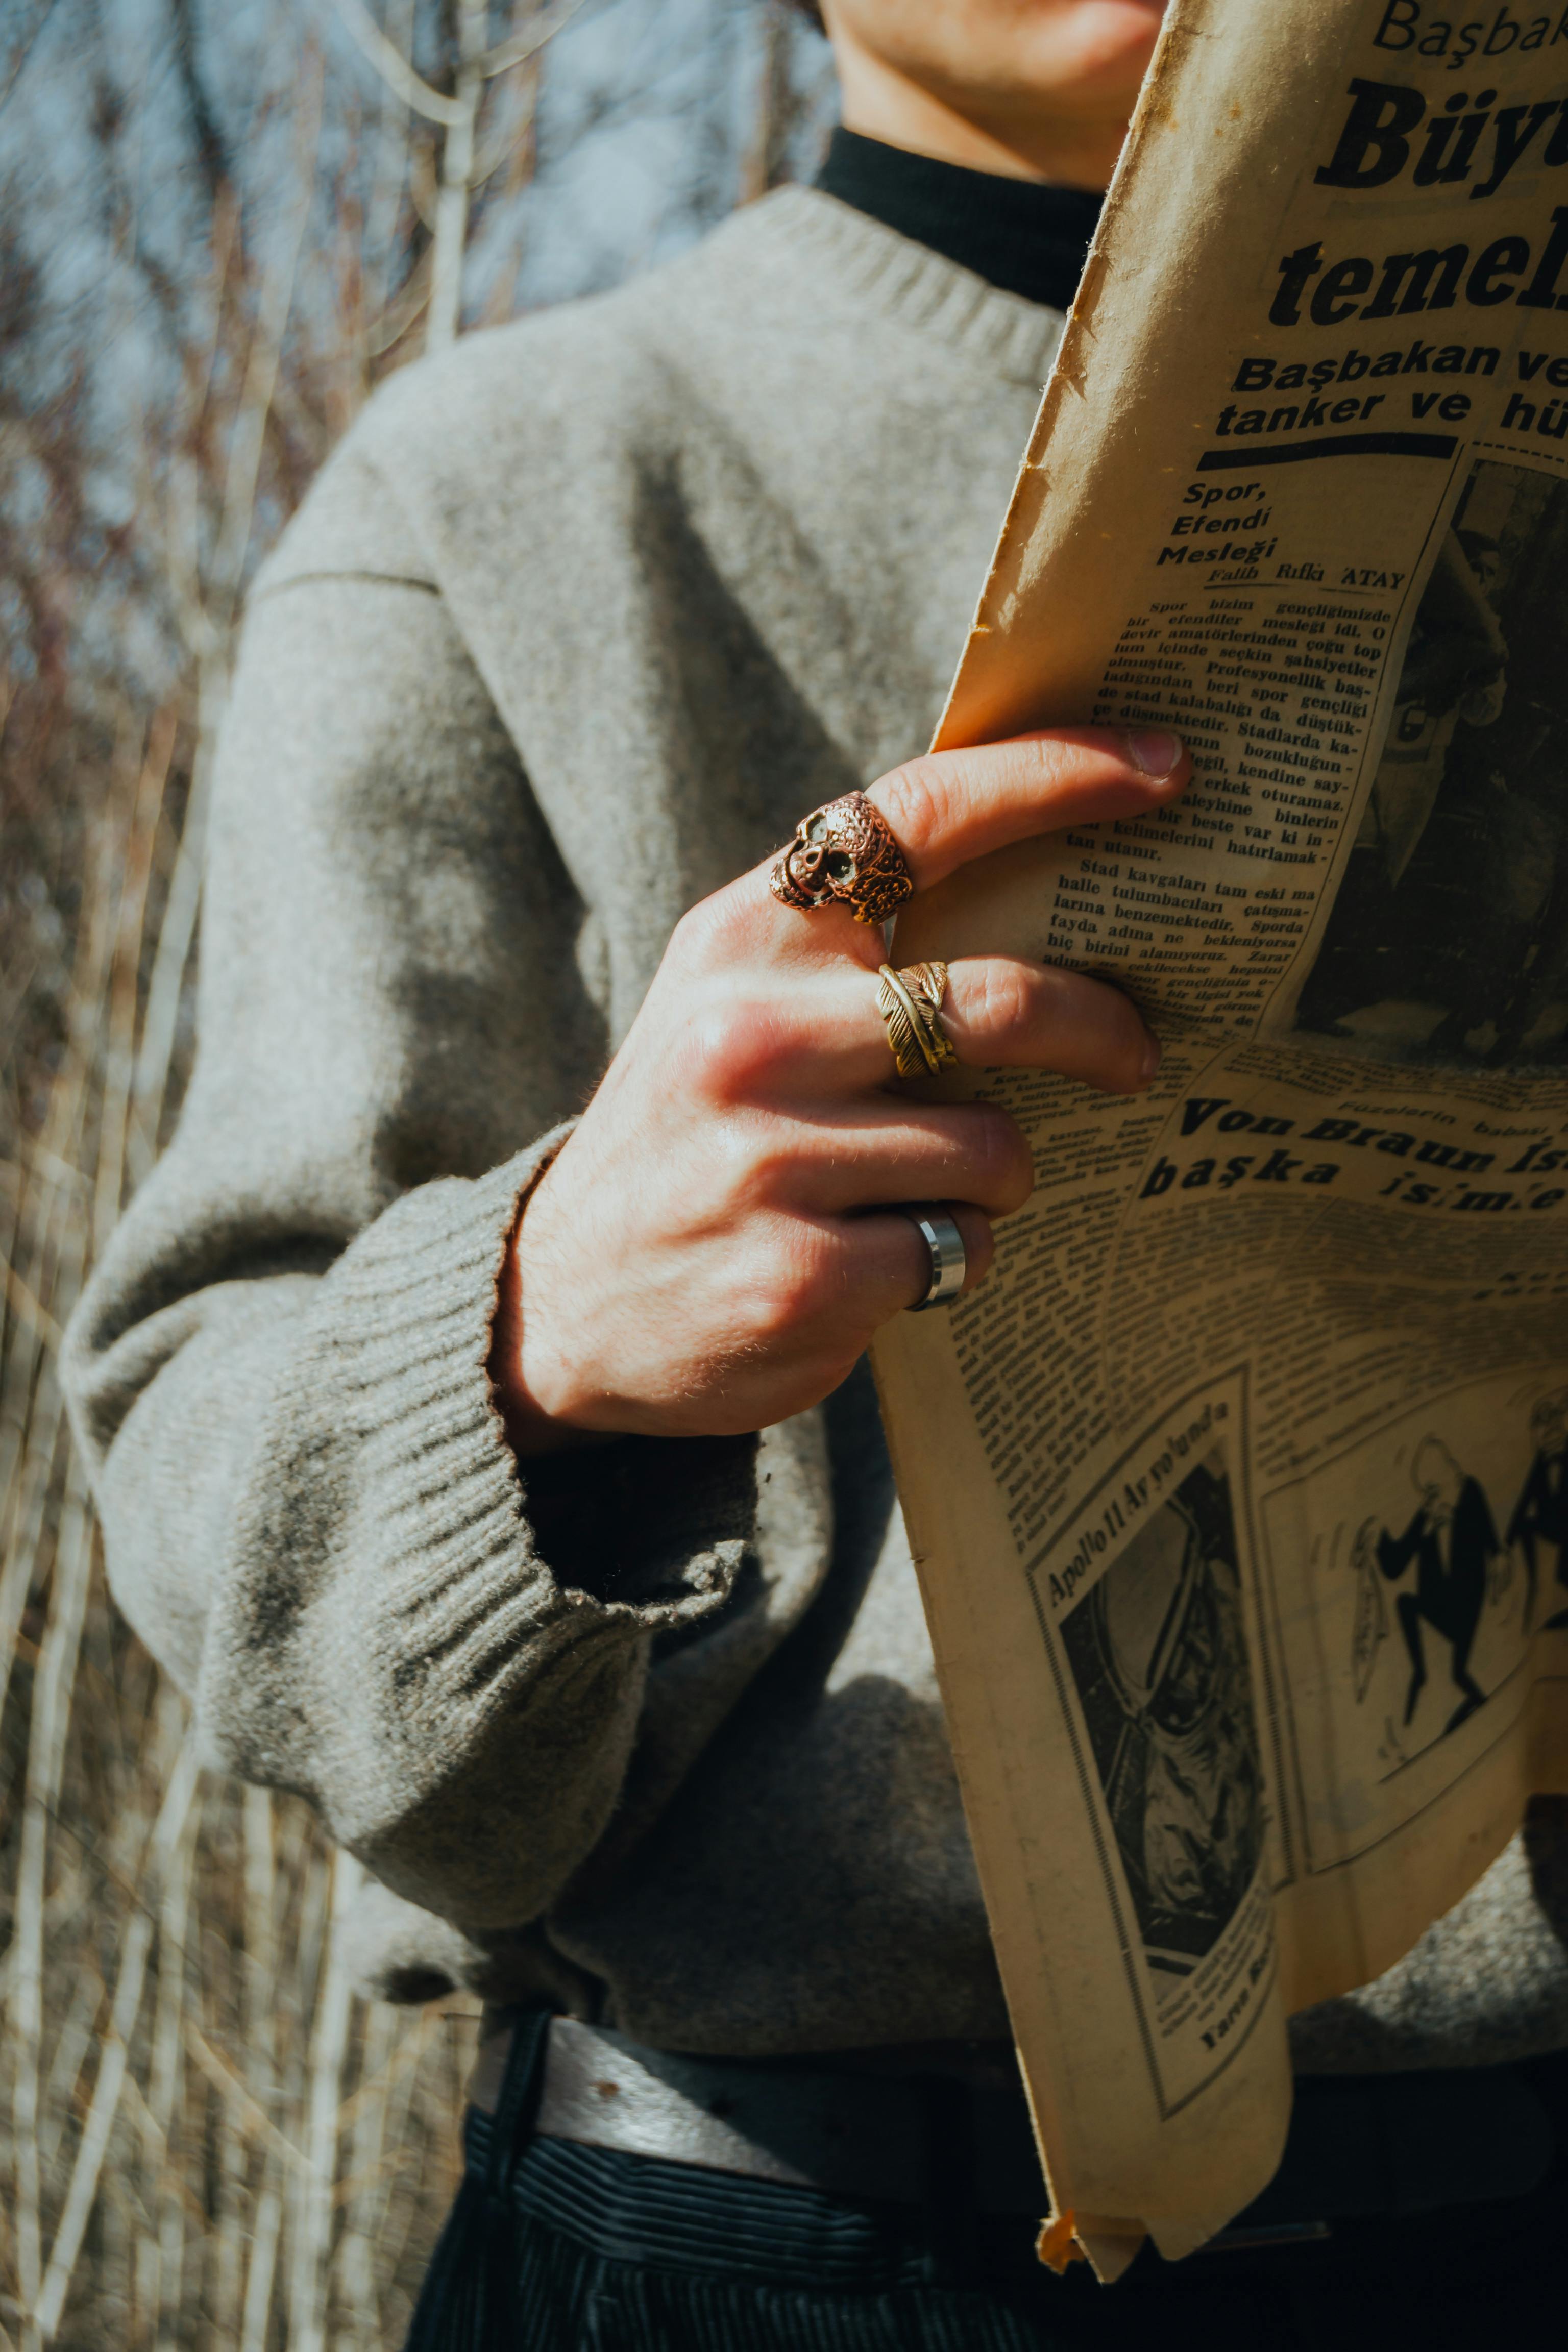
[[770, 1316], [912, 801], [1122, 1020], [692, 937], [1005, 1161], [713, 931], [1119, 1029], [766, 1167], [1005, 1005], [708, 1053], [727, 1050], [791, 1292]]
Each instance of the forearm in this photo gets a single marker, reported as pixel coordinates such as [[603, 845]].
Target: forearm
[[311, 1509]]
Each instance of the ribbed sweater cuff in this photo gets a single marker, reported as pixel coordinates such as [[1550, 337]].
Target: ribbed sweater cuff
[[394, 1639], [468, 1593]]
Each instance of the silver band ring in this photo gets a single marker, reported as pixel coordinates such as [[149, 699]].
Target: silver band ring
[[949, 1261]]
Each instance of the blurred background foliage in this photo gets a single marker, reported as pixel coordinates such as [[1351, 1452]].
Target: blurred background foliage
[[222, 223]]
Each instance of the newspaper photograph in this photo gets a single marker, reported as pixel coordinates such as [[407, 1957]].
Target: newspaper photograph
[[1239, 1491]]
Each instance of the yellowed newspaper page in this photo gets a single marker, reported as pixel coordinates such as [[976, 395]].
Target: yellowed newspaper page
[[1240, 1491]]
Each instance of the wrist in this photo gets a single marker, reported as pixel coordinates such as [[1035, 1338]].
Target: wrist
[[532, 1429]]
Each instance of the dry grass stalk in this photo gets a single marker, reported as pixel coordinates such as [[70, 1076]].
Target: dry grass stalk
[[182, 2032], [113, 2062]]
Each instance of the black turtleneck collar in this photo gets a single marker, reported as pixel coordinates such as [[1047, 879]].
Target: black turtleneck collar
[[1024, 237]]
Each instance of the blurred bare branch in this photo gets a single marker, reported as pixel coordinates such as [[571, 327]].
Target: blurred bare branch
[[208, 2141], [18, 62], [456, 175], [394, 68], [778, 106], [528, 44]]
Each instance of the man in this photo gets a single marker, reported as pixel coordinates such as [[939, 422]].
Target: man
[[1158, 1651], [1455, 670], [1539, 1518], [1453, 1543], [423, 1419]]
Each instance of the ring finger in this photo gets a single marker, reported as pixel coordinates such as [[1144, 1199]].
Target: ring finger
[[890, 1261]]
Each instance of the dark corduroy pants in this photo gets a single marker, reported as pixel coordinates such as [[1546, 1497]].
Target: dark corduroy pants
[[558, 2246]]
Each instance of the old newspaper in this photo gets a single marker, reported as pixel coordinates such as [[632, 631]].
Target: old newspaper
[[1240, 1491]]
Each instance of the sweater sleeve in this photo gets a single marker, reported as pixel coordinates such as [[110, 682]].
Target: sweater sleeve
[[312, 1512]]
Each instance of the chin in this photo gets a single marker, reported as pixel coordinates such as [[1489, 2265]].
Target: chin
[[1027, 54], [1013, 64], [1103, 46]]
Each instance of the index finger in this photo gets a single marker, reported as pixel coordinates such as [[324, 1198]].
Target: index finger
[[949, 808]]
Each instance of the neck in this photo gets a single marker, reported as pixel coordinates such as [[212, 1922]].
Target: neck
[[1024, 236], [1025, 143]]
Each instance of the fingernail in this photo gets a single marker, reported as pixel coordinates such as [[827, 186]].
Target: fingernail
[[1151, 1063], [1155, 753]]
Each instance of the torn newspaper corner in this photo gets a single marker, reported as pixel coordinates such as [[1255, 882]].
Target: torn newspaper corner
[[1240, 1490]]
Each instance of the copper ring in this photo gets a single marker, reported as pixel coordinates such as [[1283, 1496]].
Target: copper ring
[[909, 1002], [844, 854]]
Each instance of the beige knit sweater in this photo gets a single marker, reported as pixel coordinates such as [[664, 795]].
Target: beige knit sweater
[[576, 622]]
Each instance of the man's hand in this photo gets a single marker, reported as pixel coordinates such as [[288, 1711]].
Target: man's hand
[[714, 1245]]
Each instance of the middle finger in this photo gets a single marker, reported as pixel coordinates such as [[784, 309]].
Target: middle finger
[[999, 1012]]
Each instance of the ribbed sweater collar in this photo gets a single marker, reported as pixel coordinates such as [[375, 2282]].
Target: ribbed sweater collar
[[1027, 237], [838, 257]]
